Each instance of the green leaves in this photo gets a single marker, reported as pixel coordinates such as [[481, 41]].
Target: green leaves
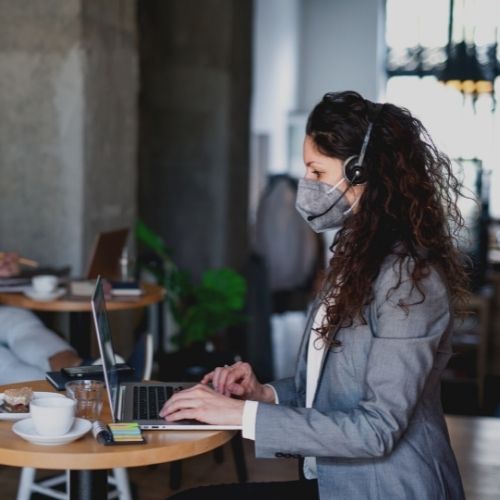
[[206, 309], [150, 239], [227, 285], [201, 310]]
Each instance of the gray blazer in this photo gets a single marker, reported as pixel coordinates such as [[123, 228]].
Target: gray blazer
[[377, 426]]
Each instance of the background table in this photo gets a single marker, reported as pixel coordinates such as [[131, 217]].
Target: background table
[[71, 303], [89, 460], [79, 309]]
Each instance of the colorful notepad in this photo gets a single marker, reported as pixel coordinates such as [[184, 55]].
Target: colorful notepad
[[118, 433], [126, 432]]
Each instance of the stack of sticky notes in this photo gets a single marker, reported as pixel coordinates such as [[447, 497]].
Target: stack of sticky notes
[[126, 432]]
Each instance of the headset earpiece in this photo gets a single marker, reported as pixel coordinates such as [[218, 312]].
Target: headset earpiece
[[354, 171]]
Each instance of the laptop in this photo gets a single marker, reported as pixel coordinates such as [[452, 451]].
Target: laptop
[[138, 402], [106, 252]]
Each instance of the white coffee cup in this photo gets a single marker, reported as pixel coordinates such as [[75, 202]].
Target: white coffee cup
[[52, 416], [45, 283]]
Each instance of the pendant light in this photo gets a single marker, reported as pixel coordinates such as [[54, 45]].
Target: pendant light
[[462, 69]]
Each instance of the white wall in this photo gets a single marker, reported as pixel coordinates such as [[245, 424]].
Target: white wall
[[342, 49], [275, 78], [304, 48]]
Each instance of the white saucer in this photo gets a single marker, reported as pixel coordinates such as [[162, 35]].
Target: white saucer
[[4, 415], [26, 430], [44, 297]]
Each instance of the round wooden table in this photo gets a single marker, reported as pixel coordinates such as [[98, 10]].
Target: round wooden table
[[79, 309], [71, 303], [88, 460]]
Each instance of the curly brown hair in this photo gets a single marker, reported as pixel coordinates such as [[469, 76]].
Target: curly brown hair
[[409, 203]]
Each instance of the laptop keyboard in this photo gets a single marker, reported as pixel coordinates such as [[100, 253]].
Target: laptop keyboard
[[149, 400]]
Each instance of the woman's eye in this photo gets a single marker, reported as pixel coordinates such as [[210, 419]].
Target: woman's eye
[[316, 173]]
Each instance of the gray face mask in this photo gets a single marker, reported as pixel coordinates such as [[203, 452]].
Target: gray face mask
[[321, 205]]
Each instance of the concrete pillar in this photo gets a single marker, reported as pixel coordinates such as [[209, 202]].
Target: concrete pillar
[[68, 85], [194, 127]]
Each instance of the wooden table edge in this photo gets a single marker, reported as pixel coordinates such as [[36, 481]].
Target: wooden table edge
[[43, 457]]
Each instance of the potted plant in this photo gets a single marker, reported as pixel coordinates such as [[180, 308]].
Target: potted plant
[[201, 311]]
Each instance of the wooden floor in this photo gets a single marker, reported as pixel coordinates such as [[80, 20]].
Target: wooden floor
[[476, 441]]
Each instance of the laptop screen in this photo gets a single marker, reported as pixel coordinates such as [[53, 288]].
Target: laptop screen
[[103, 333], [105, 255]]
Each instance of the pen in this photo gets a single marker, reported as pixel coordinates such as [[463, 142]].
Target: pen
[[101, 433]]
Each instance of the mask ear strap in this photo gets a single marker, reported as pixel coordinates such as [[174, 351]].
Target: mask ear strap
[[351, 208], [341, 180]]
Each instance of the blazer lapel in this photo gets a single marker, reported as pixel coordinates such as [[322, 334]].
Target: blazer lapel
[[326, 353], [300, 374]]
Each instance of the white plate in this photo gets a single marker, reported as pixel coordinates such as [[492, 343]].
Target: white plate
[[44, 297], [26, 430], [4, 415]]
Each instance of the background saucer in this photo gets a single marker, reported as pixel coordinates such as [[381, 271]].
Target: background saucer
[[26, 430], [44, 297]]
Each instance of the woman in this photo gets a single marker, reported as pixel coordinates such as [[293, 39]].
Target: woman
[[364, 406]]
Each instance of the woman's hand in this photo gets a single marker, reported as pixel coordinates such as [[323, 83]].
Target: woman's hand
[[203, 404], [239, 380]]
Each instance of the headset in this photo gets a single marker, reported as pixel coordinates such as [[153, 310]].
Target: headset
[[354, 170]]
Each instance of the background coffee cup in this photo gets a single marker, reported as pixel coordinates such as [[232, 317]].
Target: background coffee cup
[[52, 416], [45, 283], [88, 395]]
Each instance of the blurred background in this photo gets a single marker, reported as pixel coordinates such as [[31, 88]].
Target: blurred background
[[187, 116], [183, 121]]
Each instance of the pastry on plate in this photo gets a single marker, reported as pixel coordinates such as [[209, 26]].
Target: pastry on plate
[[17, 400]]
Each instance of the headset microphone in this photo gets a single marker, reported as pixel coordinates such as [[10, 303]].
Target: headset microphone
[[312, 217]]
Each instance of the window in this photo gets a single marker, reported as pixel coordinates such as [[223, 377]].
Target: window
[[416, 37]]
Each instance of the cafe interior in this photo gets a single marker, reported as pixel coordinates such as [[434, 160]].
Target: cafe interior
[[160, 141]]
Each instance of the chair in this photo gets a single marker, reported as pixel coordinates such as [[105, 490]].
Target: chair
[[471, 338], [142, 361]]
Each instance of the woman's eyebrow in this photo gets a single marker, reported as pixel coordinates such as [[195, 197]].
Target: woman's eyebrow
[[311, 162]]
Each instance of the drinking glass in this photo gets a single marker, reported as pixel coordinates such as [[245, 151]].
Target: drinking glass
[[88, 395]]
